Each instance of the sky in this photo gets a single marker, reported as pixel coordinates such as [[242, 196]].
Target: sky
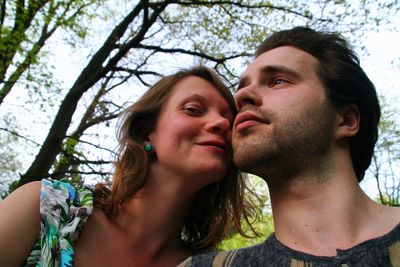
[[380, 60], [382, 64], [383, 49]]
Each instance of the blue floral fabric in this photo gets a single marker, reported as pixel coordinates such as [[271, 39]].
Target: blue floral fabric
[[63, 212]]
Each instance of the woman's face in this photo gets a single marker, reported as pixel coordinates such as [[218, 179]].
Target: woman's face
[[192, 137]]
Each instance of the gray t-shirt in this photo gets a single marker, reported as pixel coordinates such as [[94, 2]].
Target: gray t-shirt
[[381, 251]]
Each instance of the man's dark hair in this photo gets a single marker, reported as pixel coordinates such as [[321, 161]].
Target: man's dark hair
[[345, 81]]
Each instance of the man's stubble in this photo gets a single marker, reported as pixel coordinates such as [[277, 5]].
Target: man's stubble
[[284, 148]]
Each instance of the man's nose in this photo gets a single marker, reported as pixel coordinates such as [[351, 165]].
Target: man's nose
[[247, 96]]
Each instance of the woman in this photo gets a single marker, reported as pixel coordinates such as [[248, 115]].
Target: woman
[[175, 190]]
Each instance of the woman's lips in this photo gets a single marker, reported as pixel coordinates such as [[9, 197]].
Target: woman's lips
[[215, 145]]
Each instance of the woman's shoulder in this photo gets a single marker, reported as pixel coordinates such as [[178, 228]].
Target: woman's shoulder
[[64, 201], [26, 195], [64, 210], [29, 189], [65, 194], [19, 224]]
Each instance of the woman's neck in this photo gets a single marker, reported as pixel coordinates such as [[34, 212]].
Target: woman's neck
[[155, 215], [147, 227]]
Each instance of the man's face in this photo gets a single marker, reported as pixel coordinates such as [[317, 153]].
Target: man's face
[[284, 119]]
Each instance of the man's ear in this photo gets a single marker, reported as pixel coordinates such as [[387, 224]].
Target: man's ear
[[348, 121]]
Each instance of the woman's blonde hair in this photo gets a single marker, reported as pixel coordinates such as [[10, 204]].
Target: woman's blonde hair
[[216, 207]]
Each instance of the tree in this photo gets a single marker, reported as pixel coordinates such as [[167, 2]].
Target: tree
[[385, 164], [24, 30], [263, 224], [9, 160], [153, 38]]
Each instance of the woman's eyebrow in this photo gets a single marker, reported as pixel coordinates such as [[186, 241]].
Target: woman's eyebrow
[[195, 97]]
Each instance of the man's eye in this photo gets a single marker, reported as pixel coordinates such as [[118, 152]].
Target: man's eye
[[278, 81]]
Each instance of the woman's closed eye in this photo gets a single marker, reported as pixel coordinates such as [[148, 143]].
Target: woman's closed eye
[[229, 117], [193, 109]]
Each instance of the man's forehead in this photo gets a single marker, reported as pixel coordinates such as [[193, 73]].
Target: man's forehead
[[286, 57]]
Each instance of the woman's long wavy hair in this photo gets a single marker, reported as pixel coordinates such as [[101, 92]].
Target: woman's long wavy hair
[[216, 208]]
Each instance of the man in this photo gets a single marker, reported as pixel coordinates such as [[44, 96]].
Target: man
[[307, 124]]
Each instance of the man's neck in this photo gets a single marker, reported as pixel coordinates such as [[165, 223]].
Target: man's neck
[[317, 217]]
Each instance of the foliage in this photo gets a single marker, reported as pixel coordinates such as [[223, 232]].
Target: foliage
[[263, 225], [10, 163], [385, 166], [24, 30], [131, 45]]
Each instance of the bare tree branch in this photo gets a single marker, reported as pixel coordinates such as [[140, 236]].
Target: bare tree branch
[[2, 13], [192, 53], [55, 174], [240, 4], [20, 136], [93, 71]]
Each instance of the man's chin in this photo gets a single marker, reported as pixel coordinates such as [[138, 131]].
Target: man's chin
[[249, 166], [243, 158]]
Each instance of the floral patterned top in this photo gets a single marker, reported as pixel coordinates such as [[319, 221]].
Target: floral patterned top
[[63, 212]]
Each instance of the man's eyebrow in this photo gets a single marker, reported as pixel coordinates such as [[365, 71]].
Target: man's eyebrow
[[270, 69], [279, 68]]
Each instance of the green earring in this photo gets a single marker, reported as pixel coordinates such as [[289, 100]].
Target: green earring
[[148, 147]]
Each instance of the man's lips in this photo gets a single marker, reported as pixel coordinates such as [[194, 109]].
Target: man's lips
[[245, 120]]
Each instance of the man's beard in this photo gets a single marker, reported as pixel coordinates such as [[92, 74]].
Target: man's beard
[[285, 149]]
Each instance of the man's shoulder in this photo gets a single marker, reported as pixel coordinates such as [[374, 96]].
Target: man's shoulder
[[380, 251], [256, 255], [396, 214]]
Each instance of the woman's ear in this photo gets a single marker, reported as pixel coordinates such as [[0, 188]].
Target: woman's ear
[[143, 133], [348, 121]]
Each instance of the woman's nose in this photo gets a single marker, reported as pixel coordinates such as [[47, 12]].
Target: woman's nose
[[219, 124]]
